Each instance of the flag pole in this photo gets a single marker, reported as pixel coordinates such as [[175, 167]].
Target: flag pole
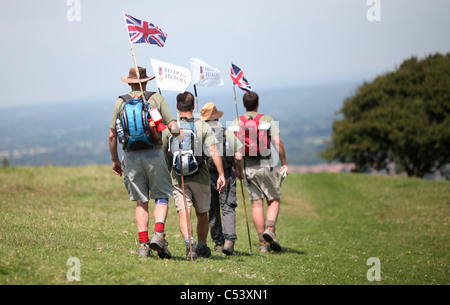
[[137, 72], [235, 103], [196, 100], [134, 60], [241, 182]]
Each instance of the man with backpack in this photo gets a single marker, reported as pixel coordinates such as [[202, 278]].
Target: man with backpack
[[196, 136], [257, 132], [224, 236], [143, 165]]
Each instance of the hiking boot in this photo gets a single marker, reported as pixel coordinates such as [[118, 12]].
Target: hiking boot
[[144, 250], [228, 248], [218, 248], [271, 238], [263, 247], [188, 252], [159, 244], [204, 251]]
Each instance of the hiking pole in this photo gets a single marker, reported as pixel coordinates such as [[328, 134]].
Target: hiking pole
[[246, 217], [241, 182], [188, 221]]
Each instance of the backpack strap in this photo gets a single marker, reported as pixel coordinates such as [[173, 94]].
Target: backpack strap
[[147, 96], [256, 118], [243, 119], [125, 97], [186, 119]]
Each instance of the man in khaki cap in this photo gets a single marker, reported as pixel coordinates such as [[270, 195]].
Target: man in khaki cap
[[145, 169], [223, 236]]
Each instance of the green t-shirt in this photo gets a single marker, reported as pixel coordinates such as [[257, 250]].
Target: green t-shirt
[[273, 131], [156, 100], [206, 136]]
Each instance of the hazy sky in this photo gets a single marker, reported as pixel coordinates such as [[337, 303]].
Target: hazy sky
[[47, 58]]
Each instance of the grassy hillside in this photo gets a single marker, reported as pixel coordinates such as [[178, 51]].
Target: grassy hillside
[[329, 226]]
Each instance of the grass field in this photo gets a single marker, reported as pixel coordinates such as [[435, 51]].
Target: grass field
[[330, 225]]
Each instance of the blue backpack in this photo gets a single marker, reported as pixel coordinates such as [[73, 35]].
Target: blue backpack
[[135, 121], [191, 150]]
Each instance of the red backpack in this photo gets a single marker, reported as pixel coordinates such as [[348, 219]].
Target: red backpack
[[256, 142]]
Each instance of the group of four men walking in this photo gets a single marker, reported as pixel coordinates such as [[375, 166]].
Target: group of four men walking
[[148, 174]]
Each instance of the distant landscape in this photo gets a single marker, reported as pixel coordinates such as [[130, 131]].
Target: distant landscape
[[72, 134]]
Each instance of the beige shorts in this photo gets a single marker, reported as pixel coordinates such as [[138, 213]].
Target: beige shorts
[[197, 194], [262, 182], [144, 172]]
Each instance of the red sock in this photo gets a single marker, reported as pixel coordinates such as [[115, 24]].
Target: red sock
[[143, 236], [159, 227]]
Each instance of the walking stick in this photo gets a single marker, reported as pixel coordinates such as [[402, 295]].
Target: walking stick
[[188, 221], [242, 187], [246, 217]]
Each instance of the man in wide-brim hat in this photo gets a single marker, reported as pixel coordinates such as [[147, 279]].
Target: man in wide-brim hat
[[224, 236], [209, 112], [132, 77], [145, 171]]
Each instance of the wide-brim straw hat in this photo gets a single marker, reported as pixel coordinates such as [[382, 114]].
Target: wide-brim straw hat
[[209, 112], [132, 76]]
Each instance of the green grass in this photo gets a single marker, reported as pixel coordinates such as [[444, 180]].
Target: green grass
[[329, 226]]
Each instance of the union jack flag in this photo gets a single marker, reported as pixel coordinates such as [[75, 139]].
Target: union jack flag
[[144, 32], [237, 75]]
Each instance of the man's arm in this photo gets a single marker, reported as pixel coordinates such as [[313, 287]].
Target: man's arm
[[217, 159], [280, 147], [117, 167], [239, 162], [174, 129]]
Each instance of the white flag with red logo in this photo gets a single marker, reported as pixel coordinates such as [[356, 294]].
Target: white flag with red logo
[[204, 75], [170, 77]]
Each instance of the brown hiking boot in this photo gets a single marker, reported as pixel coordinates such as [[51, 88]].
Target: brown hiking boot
[[218, 248], [271, 238], [228, 247], [159, 244], [263, 247], [144, 250]]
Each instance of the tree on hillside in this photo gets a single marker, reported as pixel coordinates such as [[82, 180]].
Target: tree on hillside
[[401, 117]]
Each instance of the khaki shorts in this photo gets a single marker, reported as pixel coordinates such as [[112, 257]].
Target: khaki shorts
[[262, 182], [197, 194], [145, 175]]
